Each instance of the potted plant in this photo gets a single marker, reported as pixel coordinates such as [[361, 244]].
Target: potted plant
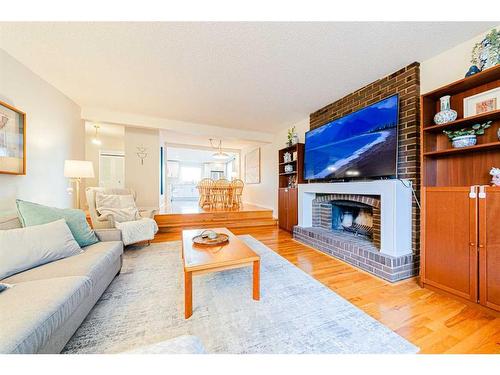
[[293, 138], [466, 137]]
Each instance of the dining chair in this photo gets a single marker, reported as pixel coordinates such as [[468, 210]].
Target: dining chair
[[237, 191], [222, 187], [205, 188]]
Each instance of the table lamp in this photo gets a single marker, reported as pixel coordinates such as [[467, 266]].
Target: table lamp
[[75, 170]]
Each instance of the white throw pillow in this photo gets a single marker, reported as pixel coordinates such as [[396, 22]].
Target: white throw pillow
[[122, 207], [25, 248]]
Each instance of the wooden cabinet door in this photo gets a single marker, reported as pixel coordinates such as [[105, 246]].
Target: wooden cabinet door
[[283, 208], [292, 209], [449, 257], [489, 248]]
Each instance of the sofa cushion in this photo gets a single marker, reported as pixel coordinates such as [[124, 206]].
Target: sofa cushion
[[25, 248], [92, 263], [36, 214], [33, 311]]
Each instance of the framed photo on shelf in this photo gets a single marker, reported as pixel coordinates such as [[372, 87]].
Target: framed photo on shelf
[[12, 140], [483, 102]]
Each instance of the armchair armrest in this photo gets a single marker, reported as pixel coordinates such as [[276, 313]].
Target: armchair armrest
[[105, 235], [148, 212], [109, 218]]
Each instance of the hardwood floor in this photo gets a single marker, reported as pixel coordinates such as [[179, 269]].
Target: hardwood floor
[[432, 321]]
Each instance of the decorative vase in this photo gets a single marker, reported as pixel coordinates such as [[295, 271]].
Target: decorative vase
[[446, 114], [464, 141], [287, 157], [288, 168], [295, 139], [472, 70]]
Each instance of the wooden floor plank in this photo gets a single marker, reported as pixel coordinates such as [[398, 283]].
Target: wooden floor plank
[[434, 322]]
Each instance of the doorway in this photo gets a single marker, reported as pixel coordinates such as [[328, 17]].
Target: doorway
[[112, 169]]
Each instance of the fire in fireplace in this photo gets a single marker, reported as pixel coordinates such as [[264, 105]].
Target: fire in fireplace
[[353, 217]]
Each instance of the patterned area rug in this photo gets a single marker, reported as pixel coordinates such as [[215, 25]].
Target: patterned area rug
[[296, 313]]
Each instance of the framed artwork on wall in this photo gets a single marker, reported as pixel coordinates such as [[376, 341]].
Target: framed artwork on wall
[[252, 167], [12, 140], [483, 102]]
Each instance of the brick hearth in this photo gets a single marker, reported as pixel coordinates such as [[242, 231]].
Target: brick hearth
[[359, 252]]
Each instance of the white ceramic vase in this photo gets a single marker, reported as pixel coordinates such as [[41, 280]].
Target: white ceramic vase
[[446, 114]]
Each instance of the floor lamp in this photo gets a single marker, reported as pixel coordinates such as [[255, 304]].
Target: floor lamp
[[75, 170]]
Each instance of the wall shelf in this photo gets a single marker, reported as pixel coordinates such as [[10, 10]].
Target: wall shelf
[[466, 83], [290, 162], [464, 122], [452, 151]]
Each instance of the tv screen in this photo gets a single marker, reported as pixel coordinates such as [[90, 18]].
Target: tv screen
[[359, 145]]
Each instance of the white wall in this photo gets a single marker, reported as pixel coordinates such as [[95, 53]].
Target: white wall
[[144, 179], [54, 132], [265, 194], [448, 66]]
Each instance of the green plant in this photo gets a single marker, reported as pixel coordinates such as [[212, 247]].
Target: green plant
[[493, 40], [476, 129], [291, 132]]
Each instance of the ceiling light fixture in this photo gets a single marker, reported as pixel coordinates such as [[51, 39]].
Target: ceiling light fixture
[[219, 155], [96, 139]]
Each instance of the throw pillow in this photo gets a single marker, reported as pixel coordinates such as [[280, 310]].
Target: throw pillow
[[25, 248], [35, 214], [122, 207]]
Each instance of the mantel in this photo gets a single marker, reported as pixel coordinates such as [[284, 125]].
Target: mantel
[[396, 215]]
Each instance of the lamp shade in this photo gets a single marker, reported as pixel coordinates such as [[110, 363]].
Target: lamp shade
[[78, 169]]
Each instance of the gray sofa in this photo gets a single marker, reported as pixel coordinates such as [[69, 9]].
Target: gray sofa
[[47, 304]]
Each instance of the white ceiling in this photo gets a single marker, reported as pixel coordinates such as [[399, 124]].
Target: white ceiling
[[259, 76]]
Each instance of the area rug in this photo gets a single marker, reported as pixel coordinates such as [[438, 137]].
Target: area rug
[[296, 313]]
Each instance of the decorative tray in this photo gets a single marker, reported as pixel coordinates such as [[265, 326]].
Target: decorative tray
[[213, 240]]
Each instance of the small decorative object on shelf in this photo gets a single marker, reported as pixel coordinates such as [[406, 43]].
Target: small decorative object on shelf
[[294, 155], [293, 138], [495, 172], [466, 137], [446, 114], [287, 157], [486, 53], [288, 168], [472, 70], [498, 134], [292, 181], [483, 102]]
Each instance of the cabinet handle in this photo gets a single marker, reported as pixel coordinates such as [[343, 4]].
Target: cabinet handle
[[472, 194], [482, 192], [481, 246], [472, 244]]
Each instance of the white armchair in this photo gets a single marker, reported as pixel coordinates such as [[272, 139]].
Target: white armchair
[[107, 221]]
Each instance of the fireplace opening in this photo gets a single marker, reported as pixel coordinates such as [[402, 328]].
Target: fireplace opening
[[352, 217]]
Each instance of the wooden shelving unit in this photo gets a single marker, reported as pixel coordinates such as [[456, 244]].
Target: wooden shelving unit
[[443, 165], [460, 235], [288, 195]]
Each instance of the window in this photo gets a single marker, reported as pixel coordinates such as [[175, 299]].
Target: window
[[190, 174]]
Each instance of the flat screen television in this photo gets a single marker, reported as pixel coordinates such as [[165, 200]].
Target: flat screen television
[[362, 144]]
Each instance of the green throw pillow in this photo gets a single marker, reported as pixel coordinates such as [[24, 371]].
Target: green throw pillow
[[37, 214]]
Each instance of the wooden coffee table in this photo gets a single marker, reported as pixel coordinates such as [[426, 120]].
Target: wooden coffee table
[[200, 259]]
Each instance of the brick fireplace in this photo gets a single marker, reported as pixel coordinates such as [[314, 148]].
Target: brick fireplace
[[384, 248], [392, 250], [358, 215]]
